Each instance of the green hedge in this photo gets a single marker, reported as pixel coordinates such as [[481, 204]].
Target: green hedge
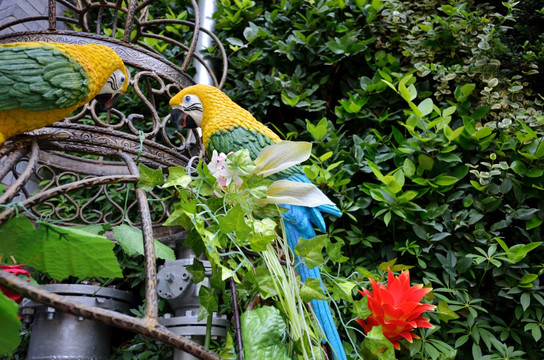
[[427, 127]]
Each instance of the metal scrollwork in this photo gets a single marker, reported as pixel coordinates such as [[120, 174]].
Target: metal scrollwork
[[82, 170]]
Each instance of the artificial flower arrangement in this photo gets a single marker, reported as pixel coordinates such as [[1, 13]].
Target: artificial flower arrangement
[[231, 211]]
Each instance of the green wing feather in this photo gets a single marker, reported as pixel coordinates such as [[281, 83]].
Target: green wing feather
[[40, 78], [239, 138], [236, 139]]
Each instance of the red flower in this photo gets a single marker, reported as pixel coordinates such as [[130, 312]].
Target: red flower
[[397, 308], [17, 270]]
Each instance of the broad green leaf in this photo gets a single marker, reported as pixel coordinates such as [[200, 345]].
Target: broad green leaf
[[234, 221], [453, 134], [132, 242], [426, 162], [263, 334], [408, 167], [392, 184], [10, 233], [177, 177], [295, 193], [534, 173], [415, 109], [483, 132], [407, 196], [450, 158], [525, 300], [444, 312], [278, 157], [197, 270], [390, 85], [449, 111], [448, 9], [209, 302], [375, 170], [426, 107], [532, 223], [528, 278], [264, 234], [519, 167], [265, 282], [11, 325], [342, 290], [445, 180], [334, 250], [320, 130], [149, 178], [311, 250], [312, 290], [378, 345], [66, 251], [518, 252]]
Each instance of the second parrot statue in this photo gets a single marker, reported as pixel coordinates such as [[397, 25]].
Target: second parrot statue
[[228, 127], [41, 83]]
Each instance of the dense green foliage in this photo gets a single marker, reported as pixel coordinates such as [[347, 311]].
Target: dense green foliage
[[426, 120], [427, 126]]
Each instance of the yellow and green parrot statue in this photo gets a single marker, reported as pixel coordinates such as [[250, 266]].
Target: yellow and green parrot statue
[[41, 83], [228, 127]]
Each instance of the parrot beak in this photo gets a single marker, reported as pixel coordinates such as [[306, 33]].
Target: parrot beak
[[178, 118], [181, 120], [106, 101]]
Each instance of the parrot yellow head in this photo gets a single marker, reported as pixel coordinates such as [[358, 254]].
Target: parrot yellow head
[[117, 81], [194, 106], [212, 110], [112, 89]]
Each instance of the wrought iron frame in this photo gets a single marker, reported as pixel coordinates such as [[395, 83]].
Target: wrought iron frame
[[115, 142]]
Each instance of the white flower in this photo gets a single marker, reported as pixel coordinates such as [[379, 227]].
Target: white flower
[[218, 168]]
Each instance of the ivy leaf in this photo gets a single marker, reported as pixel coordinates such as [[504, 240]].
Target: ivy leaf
[[194, 241], [334, 250], [311, 250], [177, 177], [197, 270], [343, 290], [234, 221], [209, 302], [66, 251], [312, 290], [11, 325], [132, 242], [265, 282], [149, 178], [378, 345]]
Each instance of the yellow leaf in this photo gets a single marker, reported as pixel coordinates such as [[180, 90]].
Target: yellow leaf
[[280, 156], [295, 193]]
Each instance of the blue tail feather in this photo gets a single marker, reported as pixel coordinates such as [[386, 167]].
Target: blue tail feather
[[299, 222]]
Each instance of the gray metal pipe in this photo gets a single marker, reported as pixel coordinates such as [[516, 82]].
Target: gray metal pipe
[[206, 8]]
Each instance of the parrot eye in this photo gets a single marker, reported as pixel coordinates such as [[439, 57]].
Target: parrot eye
[[187, 98], [122, 80]]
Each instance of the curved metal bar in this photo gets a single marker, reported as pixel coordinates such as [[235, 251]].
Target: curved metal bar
[[21, 181], [199, 58], [151, 297], [52, 15], [31, 201], [141, 326], [132, 5], [196, 33], [11, 159]]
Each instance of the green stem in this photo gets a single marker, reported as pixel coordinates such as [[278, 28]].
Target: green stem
[[208, 337]]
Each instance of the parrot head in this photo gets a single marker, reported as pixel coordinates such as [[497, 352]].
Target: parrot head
[[187, 111], [210, 109], [112, 89]]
